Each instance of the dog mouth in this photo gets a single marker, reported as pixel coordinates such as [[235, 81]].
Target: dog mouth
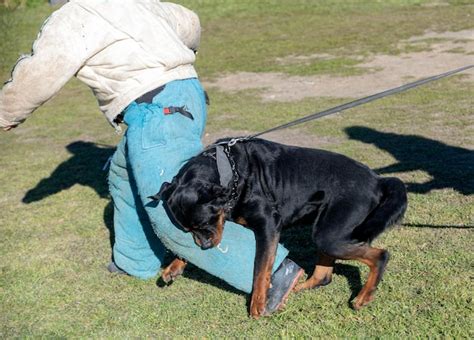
[[216, 236], [203, 243]]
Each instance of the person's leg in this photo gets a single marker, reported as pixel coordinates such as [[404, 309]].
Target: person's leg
[[158, 145], [136, 250]]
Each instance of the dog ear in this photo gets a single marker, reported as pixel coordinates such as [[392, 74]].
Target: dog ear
[[164, 190]]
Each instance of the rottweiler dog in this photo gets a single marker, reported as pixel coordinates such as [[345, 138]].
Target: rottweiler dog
[[273, 186]]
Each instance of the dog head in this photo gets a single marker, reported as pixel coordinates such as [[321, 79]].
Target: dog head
[[197, 205]]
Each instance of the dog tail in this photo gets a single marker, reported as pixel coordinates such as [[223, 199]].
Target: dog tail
[[390, 210]]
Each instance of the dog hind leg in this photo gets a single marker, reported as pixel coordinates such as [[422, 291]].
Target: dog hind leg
[[376, 259], [322, 274], [340, 243]]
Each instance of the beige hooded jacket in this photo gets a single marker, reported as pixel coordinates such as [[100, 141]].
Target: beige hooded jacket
[[120, 48]]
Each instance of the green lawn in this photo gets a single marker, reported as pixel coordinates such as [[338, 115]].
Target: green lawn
[[56, 214]]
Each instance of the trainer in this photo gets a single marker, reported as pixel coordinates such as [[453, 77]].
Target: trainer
[[137, 57]]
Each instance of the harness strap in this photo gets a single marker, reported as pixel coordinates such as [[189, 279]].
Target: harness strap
[[227, 171], [223, 166]]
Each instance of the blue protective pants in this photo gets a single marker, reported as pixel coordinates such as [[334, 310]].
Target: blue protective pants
[[154, 148]]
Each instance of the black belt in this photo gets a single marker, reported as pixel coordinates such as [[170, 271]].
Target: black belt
[[148, 97], [145, 98]]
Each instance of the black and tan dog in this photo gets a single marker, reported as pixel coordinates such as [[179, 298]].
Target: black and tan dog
[[273, 186]]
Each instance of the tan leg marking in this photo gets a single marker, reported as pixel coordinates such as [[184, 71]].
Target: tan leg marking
[[262, 279], [322, 274], [174, 270], [376, 259]]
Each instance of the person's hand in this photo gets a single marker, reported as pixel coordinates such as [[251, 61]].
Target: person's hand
[[8, 128]]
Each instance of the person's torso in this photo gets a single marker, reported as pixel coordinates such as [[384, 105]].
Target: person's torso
[[142, 49]]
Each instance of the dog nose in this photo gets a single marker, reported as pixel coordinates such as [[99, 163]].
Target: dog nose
[[206, 244]]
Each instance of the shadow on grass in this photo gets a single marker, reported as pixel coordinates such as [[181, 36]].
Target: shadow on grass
[[194, 273], [449, 166], [84, 167], [445, 226], [303, 251]]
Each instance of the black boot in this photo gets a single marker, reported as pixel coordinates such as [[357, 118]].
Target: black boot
[[284, 279]]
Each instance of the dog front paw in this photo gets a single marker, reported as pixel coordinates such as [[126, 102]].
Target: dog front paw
[[257, 307], [362, 301], [175, 269], [168, 276]]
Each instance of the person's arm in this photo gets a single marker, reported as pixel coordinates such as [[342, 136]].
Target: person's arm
[[57, 54]]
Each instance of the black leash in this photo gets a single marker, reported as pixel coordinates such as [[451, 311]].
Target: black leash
[[357, 102]]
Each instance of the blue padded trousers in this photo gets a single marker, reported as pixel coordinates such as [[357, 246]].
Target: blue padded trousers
[[152, 151]]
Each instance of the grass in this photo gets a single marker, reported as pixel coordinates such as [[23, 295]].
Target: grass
[[251, 36], [55, 245]]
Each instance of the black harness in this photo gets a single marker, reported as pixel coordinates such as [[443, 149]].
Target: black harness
[[227, 169]]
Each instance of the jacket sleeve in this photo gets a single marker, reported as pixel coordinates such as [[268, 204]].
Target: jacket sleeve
[[184, 22], [57, 54]]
